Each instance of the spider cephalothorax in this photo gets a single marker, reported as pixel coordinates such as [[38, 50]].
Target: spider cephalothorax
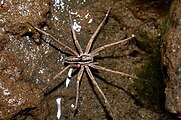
[[82, 59]]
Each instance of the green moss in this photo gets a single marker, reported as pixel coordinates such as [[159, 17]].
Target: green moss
[[149, 92]]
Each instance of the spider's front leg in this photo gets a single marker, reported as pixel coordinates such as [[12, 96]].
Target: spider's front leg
[[88, 47], [56, 40], [77, 45]]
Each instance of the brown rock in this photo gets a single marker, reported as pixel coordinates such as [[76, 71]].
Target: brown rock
[[15, 16], [3, 41], [17, 98], [172, 59]]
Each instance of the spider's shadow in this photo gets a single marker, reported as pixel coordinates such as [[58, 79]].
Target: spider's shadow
[[108, 115], [132, 53], [95, 72], [55, 47], [138, 102], [53, 87]]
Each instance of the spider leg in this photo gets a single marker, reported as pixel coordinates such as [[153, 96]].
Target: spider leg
[[53, 38], [74, 36], [95, 52], [64, 69], [99, 89], [113, 71], [96, 32], [55, 77], [79, 76]]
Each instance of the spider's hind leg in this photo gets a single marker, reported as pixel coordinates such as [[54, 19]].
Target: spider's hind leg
[[114, 71], [79, 76], [99, 89], [48, 90]]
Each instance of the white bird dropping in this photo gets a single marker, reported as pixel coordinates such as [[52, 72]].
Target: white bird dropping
[[69, 76], [133, 35], [70, 72], [72, 106], [67, 82], [2, 2], [58, 100]]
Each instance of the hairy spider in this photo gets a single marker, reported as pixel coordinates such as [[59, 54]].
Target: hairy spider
[[85, 60]]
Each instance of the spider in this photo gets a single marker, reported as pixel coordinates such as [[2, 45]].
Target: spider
[[85, 60]]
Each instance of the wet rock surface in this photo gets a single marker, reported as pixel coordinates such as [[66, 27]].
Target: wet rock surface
[[17, 98], [15, 16], [129, 98], [172, 59]]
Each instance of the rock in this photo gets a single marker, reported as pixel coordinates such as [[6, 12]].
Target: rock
[[3, 41], [17, 97], [16, 16], [41, 63], [171, 56]]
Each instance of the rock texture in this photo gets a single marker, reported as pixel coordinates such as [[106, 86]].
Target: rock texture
[[130, 99], [15, 94], [15, 16], [172, 59]]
